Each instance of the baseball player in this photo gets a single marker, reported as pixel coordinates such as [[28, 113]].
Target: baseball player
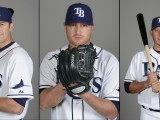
[[140, 80], [102, 101], [16, 70]]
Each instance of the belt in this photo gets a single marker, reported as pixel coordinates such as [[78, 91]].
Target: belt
[[150, 109]]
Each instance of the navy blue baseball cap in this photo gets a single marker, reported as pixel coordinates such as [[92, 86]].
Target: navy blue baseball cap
[[6, 14], [79, 12], [155, 23]]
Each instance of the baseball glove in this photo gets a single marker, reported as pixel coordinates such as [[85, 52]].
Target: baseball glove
[[75, 68]]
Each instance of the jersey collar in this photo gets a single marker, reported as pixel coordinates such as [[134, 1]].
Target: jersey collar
[[154, 53], [8, 48], [5, 47]]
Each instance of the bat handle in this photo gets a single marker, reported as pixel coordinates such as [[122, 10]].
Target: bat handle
[[149, 57]]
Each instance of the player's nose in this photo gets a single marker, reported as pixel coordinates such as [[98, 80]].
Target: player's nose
[[78, 28]]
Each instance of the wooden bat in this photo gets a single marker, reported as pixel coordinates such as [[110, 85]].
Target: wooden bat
[[143, 33]]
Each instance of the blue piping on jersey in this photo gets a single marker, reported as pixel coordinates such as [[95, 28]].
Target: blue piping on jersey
[[9, 51], [74, 97], [7, 46], [128, 79], [111, 97], [54, 56], [82, 110], [154, 58], [99, 52], [72, 109], [20, 95], [45, 85]]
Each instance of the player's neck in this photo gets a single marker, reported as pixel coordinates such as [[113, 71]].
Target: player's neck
[[1, 49], [5, 43], [157, 50], [156, 47]]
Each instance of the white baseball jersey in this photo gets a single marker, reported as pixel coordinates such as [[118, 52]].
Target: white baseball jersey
[[105, 84], [16, 69], [149, 115], [138, 70]]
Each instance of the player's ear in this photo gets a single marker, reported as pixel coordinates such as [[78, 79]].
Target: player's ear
[[92, 27], [11, 27], [65, 27]]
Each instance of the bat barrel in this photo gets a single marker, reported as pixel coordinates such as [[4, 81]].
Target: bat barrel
[[142, 28]]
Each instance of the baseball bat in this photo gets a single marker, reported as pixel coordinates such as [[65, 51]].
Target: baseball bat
[[143, 33]]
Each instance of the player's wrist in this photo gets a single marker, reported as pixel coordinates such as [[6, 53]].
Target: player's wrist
[[61, 87], [85, 95], [146, 84], [159, 86]]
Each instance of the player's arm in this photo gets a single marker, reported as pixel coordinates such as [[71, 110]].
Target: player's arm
[[135, 86], [10, 105], [102, 106], [51, 97]]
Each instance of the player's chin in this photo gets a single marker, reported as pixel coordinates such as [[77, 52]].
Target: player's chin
[[76, 44], [158, 44]]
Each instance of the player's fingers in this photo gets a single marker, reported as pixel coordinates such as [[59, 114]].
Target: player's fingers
[[152, 79], [152, 83], [74, 84], [156, 87], [152, 74]]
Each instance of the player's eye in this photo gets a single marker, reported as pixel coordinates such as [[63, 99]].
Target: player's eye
[[85, 25], [72, 24], [157, 30], [1, 24]]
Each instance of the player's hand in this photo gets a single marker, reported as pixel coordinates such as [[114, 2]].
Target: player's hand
[[152, 77], [156, 87]]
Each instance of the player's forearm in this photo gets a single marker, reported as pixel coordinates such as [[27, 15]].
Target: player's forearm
[[136, 87], [10, 106], [102, 106], [51, 97]]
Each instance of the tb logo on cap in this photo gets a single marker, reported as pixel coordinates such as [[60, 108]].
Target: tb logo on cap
[[79, 12]]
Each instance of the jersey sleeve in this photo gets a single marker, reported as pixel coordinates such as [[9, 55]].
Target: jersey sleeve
[[48, 74], [131, 72], [110, 86], [20, 75]]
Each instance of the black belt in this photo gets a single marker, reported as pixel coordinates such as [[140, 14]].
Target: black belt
[[150, 109]]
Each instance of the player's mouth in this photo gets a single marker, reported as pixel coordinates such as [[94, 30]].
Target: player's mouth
[[78, 36]]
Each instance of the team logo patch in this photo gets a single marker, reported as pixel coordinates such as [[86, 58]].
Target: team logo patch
[[19, 85], [79, 12]]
